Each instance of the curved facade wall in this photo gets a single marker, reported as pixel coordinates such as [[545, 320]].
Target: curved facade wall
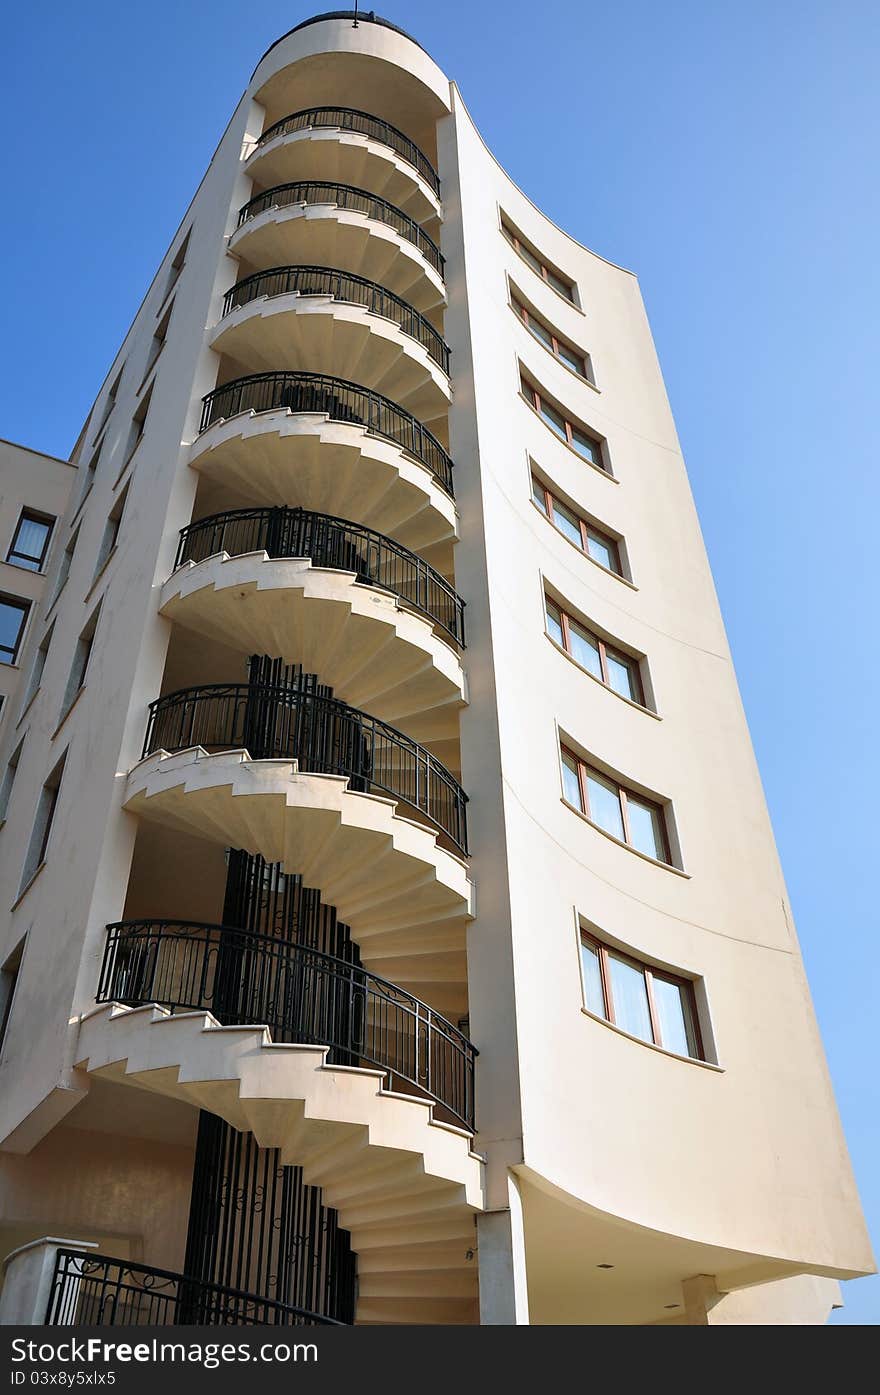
[[622, 1183]]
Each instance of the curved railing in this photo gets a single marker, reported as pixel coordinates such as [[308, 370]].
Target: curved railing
[[97, 1291], [301, 994], [313, 191], [344, 286], [348, 119], [324, 735], [329, 542], [340, 400]]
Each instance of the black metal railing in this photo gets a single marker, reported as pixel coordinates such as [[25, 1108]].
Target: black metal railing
[[347, 119], [313, 191], [324, 735], [97, 1291], [329, 542], [301, 994], [343, 286], [338, 399]]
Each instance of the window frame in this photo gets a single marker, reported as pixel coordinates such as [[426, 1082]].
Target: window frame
[[556, 280], [534, 397], [603, 951], [20, 604], [606, 539], [526, 316], [32, 516], [584, 769], [628, 661]]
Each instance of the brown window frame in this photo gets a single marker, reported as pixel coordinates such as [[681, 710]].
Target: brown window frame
[[534, 397], [528, 317], [16, 558], [623, 794], [650, 972], [586, 528], [628, 661], [547, 273]]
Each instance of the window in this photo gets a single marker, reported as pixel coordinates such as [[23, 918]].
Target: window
[[646, 1002], [80, 663], [537, 263], [629, 817], [8, 983], [13, 617], [570, 356], [111, 531], [612, 667], [36, 673], [590, 539], [31, 541], [138, 422], [90, 470], [64, 568], [588, 447], [110, 403], [176, 267], [8, 780], [40, 833], [158, 343]]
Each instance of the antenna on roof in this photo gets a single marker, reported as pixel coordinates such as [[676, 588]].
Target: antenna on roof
[[354, 24]]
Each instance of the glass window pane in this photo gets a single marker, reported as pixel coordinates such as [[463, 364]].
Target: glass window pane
[[585, 649], [530, 257], [574, 360], [586, 447], [600, 551], [554, 623], [555, 420], [567, 522], [12, 619], [30, 541], [507, 233], [629, 994], [604, 804], [559, 285], [674, 1018], [540, 332], [570, 783], [593, 995], [538, 495], [646, 828], [621, 676]]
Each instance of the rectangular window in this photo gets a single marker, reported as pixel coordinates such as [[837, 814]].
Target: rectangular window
[[8, 780], [646, 1002], [590, 539], [42, 829], [8, 984], [111, 402], [36, 674], [628, 817], [587, 446], [177, 265], [90, 471], [31, 542], [81, 656], [13, 618], [158, 343], [537, 263], [616, 670], [64, 567], [138, 423], [560, 348], [111, 531]]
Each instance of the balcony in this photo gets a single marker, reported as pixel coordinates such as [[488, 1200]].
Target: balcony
[[352, 147], [323, 735], [321, 222], [301, 995]]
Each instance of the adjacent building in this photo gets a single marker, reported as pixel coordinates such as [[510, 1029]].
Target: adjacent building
[[384, 850]]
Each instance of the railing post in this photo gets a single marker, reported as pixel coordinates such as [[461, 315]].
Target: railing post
[[29, 1282]]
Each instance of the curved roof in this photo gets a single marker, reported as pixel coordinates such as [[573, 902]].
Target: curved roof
[[362, 17]]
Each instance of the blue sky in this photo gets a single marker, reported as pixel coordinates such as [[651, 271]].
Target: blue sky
[[727, 153]]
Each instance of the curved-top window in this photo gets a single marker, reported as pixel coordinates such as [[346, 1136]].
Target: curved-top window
[[648, 1003]]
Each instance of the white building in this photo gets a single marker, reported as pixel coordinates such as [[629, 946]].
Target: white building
[[372, 384]]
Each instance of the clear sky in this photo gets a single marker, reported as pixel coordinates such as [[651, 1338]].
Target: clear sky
[[728, 154]]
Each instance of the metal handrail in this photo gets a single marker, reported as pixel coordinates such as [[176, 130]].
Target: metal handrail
[[336, 398], [324, 735], [98, 1291], [315, 191], [343, 286], [329, 542], [348, 119], [300, 993]]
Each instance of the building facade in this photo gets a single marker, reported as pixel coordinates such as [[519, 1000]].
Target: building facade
[[384, 846]]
